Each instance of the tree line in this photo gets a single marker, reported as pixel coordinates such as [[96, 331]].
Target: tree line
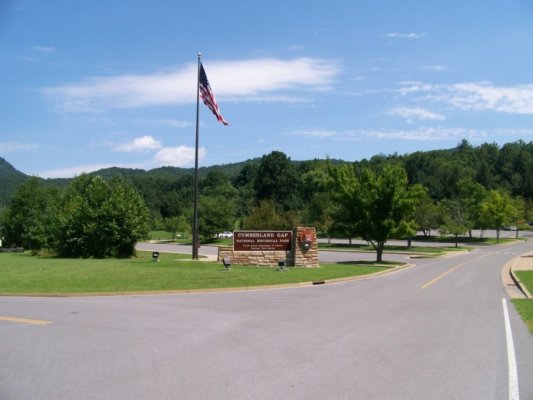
[[386, 196]]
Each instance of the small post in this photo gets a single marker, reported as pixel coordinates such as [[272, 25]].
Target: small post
[[227, 263]]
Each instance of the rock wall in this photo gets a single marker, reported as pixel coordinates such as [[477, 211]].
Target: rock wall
[[300, 256]]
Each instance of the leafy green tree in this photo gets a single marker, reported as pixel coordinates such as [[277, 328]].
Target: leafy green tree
[[246, 176], [425, 214], [30, 219], [408, 228], [319, 213], [277, 180], [176, 224], [217, 183], [453, 219], [216, 214], [265, 216], [171, 204], [498, 210], [244, 184], [101, 219], [471, 196], [317, 199], [378, 203]]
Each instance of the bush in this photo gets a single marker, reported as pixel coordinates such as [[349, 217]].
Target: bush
[[101, 219]]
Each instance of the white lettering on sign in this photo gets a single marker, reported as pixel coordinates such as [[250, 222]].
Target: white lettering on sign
[[262, 241]]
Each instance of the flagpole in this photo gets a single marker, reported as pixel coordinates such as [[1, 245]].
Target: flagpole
[[195, 240]]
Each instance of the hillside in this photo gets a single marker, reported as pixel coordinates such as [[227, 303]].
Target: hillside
[[10, 180], [508, 168]]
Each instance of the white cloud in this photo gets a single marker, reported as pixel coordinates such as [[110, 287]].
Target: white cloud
[[12, 147], [70, 172], [449, 134], [243, 80], [520, 133], [397, 35], [174, 123], [43, 49], [269, 99], [415, 114], [478, 96], [409, 87], [420, 134], [181, 156], [430, 133], [140, 144], [313, 133]]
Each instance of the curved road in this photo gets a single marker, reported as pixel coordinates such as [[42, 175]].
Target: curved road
[[433, 331]]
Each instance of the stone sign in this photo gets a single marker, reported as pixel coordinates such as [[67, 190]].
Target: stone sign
[[262, 241]]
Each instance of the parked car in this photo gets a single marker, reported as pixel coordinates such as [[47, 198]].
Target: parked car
[[510, 228], [225, 235]]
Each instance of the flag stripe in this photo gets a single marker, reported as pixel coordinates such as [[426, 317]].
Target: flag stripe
[[208, 97]]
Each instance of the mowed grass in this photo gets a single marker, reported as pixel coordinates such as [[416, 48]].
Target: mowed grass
[[161, 235], [21, 273], [526, 277], [390, 248], [525, 309], [525, 306]]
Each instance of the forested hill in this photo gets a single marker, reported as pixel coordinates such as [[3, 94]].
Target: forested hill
[[230, 170], [508, 168], [10, 180]]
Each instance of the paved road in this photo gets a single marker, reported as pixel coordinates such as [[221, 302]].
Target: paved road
[[433, 331]]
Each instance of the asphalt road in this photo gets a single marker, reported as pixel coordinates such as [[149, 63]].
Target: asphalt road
[[432, 331]]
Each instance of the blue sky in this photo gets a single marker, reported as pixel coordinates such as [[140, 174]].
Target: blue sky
[[93, 84]]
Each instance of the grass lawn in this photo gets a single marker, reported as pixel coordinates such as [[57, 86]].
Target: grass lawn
[[525, 309], [165, 236], [526, 277], [390, 248], [525, 306], [160, 235], [21, 273], [464, 239]]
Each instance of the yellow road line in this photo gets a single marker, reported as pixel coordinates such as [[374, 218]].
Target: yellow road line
[[441, 276], [25, 321]]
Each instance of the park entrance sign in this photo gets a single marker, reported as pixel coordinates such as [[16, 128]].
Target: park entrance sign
[[262, 241], [296, 248]]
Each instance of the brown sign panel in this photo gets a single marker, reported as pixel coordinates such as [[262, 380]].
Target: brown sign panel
[[262, 241]]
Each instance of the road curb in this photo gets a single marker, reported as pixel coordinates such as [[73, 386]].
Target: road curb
[[512, 268], [368, 276]]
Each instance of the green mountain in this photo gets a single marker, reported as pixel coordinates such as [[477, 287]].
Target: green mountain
[[230, 170], [10, 180]]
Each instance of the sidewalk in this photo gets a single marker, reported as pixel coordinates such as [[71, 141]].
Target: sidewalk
[[515, 288]]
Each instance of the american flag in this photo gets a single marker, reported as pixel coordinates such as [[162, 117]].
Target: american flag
[[208, 97]]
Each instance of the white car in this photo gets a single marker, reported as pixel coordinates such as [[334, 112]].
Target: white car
[[225, 235]]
